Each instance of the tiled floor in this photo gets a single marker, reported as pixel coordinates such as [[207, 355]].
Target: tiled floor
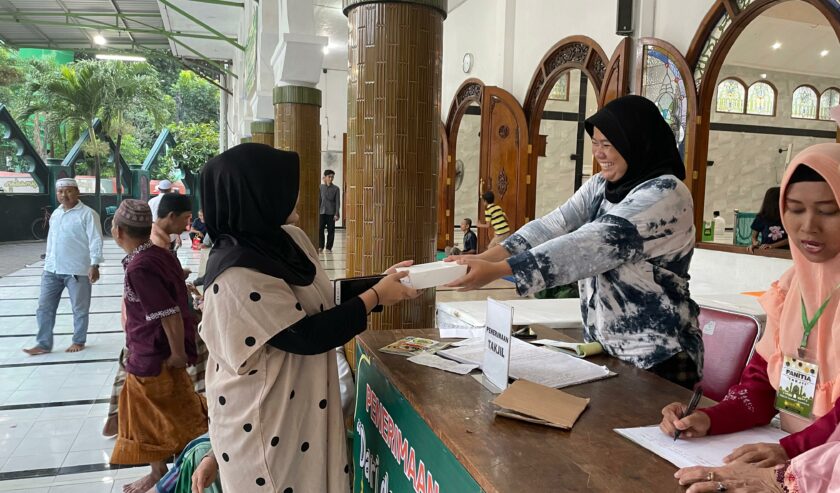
[[52, 407]]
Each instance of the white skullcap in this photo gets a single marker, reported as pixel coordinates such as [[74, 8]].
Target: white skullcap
[[66, 182], [164, 185]]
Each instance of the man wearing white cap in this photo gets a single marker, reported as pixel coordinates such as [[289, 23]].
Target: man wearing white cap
[[164, 187], [74, 250]]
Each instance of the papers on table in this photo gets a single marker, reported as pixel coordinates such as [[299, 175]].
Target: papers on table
[[433, 361], [528, 362], [705, 451], [467, 318], [579, 349]]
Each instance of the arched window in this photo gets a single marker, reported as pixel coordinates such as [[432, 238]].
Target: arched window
[[829, 99], [761, 99], [804, 104], [731, 96]]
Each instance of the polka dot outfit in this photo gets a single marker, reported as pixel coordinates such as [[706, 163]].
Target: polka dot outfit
[[275, 417]]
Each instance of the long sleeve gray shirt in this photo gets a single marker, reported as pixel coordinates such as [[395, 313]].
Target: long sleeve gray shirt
[[631, 262], [330, 201]]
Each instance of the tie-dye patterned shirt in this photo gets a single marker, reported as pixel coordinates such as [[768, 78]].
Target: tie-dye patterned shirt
[[631, 262]]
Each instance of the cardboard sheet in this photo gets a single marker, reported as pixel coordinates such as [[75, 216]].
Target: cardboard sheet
[[537, 403]]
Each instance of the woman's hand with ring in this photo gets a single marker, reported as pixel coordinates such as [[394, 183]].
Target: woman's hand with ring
[[739, 477]]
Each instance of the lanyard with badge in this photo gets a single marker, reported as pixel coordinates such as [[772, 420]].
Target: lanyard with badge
[[798, 379]]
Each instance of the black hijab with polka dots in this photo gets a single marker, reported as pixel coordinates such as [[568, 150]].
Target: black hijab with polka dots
[[637, 130], [247, 193]]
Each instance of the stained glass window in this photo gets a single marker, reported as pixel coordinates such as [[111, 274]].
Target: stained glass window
[[804, 103], [560, 91], [663, 84], [709, 48], [730, 96], [742, 4], [829, 99], [761, 99]]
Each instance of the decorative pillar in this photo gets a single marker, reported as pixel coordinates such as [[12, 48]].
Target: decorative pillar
[[393, 143], [297, 127], [262, 132]]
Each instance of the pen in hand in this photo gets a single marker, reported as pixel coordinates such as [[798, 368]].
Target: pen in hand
[[695, 400]]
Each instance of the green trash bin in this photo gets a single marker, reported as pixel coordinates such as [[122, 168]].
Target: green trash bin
[[708, 231], [742, 232]]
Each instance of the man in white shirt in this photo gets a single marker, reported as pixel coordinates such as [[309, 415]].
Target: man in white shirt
[[74, 251], [720, 225], [164, 187]]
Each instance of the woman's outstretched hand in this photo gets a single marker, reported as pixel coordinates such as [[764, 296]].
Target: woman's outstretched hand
[[393, 268], [479, 273], [388, 291]]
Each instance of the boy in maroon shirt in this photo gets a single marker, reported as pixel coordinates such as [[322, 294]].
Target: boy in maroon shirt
[[158, 407]]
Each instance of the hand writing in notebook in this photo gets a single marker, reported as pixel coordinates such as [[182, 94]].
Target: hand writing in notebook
[[694, 425]]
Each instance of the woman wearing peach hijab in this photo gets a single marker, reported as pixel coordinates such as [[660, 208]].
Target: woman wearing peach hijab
[[809, 204]]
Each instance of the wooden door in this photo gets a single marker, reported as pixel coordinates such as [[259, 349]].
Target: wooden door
[[504, 155], [616, 80], [446, 190]]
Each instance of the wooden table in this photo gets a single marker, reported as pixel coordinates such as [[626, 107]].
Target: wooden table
[[504, 455]]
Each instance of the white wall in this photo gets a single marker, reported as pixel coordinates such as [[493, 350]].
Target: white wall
[[676, 21], [742, 173], [471, 28], [333, 87], [542, 23]]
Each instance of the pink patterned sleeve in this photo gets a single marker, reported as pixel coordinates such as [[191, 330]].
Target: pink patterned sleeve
[[748, 404]]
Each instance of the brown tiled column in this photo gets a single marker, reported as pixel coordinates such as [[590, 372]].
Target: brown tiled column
[[297, 127], [393, 146], [262, 132]]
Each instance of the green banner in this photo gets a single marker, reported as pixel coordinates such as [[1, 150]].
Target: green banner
[[393, 448]]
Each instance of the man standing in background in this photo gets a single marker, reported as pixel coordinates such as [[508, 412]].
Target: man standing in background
[[164, 187], [329, 207], [74, 250]]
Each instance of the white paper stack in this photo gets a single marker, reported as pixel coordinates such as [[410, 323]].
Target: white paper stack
[[467, 318], [433, 274], [704, 451], [529, 362]]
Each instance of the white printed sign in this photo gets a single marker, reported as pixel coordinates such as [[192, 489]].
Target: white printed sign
[[497, 341]]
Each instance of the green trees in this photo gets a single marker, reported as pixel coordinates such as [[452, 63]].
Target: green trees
[[54, 104], [80, 92], [197, 101], [195, 143], [131, 85]]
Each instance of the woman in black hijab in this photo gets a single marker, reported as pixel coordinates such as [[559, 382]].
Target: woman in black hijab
[[271, 328], [627, 237]]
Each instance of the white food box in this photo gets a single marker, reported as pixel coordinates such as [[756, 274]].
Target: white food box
[[433, 274]]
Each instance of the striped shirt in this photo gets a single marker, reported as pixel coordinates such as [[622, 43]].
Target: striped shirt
[[494, 215]]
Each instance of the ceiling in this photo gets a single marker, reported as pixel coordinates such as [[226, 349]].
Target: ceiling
[[53, 23], [803, 33], [224, 19]]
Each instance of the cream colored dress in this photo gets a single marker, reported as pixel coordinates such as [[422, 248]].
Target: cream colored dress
[[275, 417]]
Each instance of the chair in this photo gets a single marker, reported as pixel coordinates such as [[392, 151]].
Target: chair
[[729, 338]]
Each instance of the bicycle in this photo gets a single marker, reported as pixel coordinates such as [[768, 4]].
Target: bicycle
[[41, 226]]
